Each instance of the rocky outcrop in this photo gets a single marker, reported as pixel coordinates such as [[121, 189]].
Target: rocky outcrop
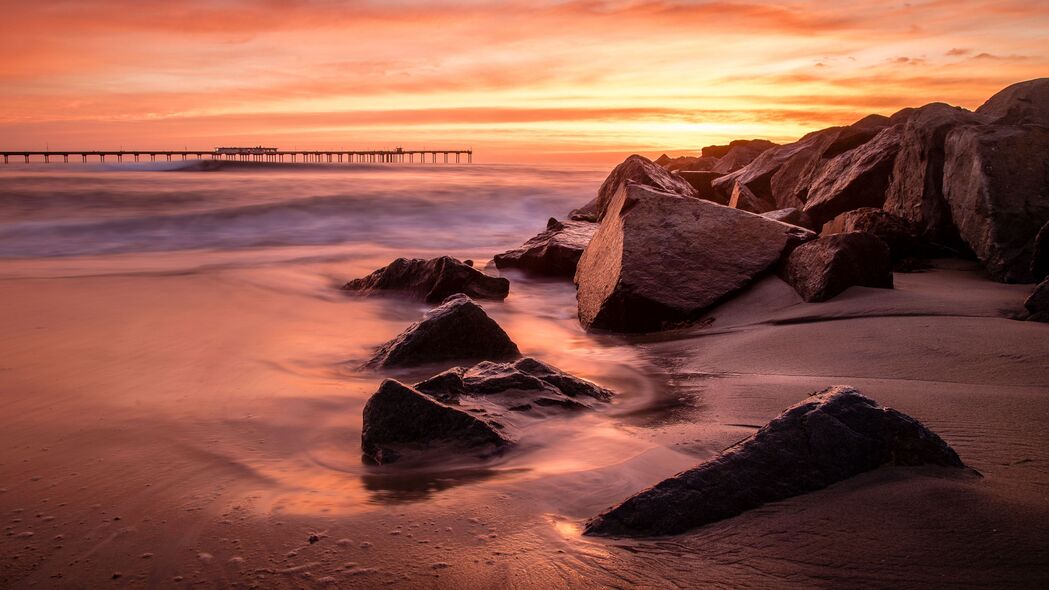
[[739, 153], [1023, 103], [835, 434], [458, 329], [899, 234], [996, 183], [554, 252], [432, 280], [638, 170], [821, 269], [660, 259], [690, 163], [701, 181], [1037, 303], [400, 420]]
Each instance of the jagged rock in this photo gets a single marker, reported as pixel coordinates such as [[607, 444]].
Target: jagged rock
[[1037, 303], [739, 153], [525, 381], [821, 269], [433, 280], [789, 215], [554, 252], [701, 182], [458, 329], [635, 169], [660, 259], [996, 182], [856, 178], [835, 434], [899, 234], [1023, 103], [916, 190], [689, 163], [400, 420], [1040, 260], [662, 160], [745, 200]]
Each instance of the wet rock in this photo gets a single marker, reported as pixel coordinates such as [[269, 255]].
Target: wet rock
[[833, 435], [1023, 103], [701, 181], [996, 183], [433, 280], [554, 252], [526, 380], [400, 420], [1037, 303], [458, 329], [660, 259], [638, 170], [899, 234], [821, 269]]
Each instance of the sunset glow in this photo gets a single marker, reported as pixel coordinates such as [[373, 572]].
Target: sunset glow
[[579, 81]]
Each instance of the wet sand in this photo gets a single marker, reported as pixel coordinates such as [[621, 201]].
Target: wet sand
[[195, 427]]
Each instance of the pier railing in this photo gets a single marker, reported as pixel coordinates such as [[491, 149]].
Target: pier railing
[[327, 156]]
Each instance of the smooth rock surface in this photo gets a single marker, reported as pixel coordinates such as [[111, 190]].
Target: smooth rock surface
[[432, 280], [835, 434], [635, 169], [554, 252], [821, 269]]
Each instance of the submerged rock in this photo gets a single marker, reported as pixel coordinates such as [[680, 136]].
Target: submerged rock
[[821, 269], [659, 259], [458, 329], [553, 252], [637, 170], [433, 280], [836, 434], [525, 381], [1038, 303]]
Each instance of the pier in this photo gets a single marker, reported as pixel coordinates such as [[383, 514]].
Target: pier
[[394, 156]]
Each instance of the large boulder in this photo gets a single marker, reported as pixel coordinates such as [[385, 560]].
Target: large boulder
[[790, 215], [660, 259], [554, 252], [996, 183], [745, 200], [637, 170], [400, 420], [739, 153], [821, 269], [432, 280], [1037, 303], [1023, 103], [458, 329], [916, 190], [833, 435], [899, 234]]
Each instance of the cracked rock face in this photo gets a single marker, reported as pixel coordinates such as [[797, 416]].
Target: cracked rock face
[[431, 280], [833, 435]]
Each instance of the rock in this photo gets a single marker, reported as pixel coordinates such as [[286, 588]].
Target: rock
[[458, 329], [996, 183], [833, 435], [740, 153], [899, 234], [1037, 303], [745, 200], [660, 259], [789, 215], [701, 181], [433, 280], [399, 419], [662, 160], [524, 381], [1024, 103], [916, 190], [856, 178], [635, 169], [1040, 260], [554, 252], [821, 269], [689, 163]]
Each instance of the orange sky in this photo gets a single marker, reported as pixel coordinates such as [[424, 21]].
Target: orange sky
[[579, 81]]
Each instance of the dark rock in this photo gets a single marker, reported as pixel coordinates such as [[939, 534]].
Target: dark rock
[[821, 269], [740, 153], [662, 160], [836, 434], [433, 280], [899, 234], [701, 181], [554, 252], [660, 259], [1040, 260], [523, 381], [689, 163], [996, 182], [1024, 103], [400, 420], [458, 329], [789, 215], [1037, 303], [635, 169], [916, 190], [720, 151], [745, 200]]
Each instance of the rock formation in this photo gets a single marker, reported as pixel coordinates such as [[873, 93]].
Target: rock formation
[[1037, 303], [553, 252], [821, 269], [635, 169], [899, 234], [432, 280]]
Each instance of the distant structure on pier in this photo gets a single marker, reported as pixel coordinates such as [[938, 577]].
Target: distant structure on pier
[[246, 150], [254, 154]]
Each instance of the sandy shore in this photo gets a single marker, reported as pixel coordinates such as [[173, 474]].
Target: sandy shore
[[195, 429]]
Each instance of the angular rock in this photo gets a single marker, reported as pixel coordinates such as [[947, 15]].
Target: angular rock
[[916, 190], [899, 234], [996, 183], [1023, 103], [662, 160], [739, 153], [745, 200], [433, 280], [458, 329], [701, 181], [689, 163], [635, 169], [525, 381], [554, 252], [835, 434], [400, 420], [660, 259], [1037, 303], [821, 269]]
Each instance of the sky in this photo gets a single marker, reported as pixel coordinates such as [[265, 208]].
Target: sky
[[576, 81]]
